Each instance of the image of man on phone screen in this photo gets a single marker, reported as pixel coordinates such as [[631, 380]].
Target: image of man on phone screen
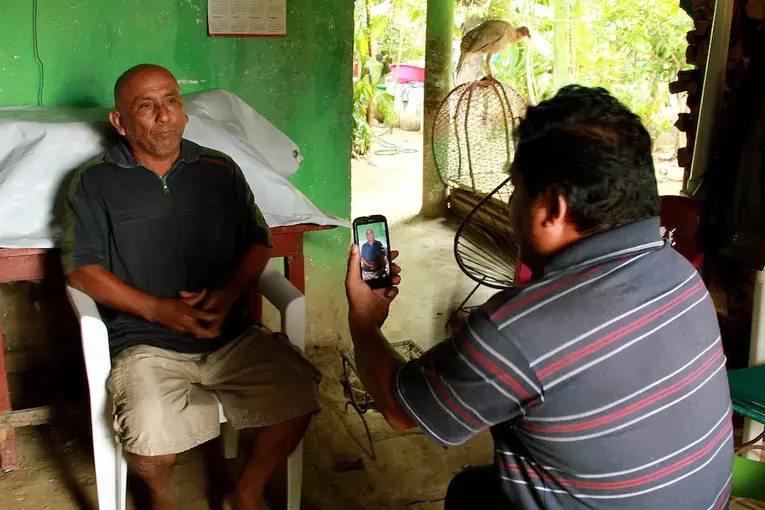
[[373, 258]]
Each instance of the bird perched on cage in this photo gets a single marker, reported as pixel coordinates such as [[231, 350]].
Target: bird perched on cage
[[490, 37]]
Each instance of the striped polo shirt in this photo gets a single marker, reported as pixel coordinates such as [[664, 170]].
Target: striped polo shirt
[[603, 383]]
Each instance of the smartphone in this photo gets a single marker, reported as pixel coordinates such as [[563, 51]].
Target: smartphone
[[370, 234]]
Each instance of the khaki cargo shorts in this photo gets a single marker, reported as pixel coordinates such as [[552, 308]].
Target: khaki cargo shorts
[[165, 402]]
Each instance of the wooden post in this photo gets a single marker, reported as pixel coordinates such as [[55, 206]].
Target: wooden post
[[439, 33], [711, 92]]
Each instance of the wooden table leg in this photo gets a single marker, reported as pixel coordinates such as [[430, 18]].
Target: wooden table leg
[[294, 268], [8, 459]]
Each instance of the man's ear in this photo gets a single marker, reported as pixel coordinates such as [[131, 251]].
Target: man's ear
[[555, 205], [116, 119]]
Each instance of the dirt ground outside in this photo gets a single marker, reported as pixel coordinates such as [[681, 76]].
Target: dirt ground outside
[[410, 472], [392, 184]]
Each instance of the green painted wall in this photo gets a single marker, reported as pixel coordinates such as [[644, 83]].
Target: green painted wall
[[301, 83]]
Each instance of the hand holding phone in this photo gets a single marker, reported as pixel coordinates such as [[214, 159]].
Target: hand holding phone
[[368, 306], [370, 234]]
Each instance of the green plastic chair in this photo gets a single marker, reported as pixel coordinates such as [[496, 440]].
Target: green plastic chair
[[748, 476], [747, 390]]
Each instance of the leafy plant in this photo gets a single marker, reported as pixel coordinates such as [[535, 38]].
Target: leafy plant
[[398, 27], [386, 31], [362, 131], [384, 103], [365, 95], [633, 48]]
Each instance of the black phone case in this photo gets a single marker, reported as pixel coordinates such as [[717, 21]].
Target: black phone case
[[380, 283]]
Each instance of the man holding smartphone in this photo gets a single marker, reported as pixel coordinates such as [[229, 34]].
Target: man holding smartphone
[[603, 381]]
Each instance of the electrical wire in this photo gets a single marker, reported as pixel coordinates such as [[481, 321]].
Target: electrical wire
[[40, 66]]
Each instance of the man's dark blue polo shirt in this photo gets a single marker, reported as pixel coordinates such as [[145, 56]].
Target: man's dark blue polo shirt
[[187, 231], [372, 252]]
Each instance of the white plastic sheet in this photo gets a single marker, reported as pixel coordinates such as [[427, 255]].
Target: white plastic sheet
[[41, 147]]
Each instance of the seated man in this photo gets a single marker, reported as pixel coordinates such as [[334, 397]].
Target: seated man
[[165, 236], [373, 260], [603, 381]]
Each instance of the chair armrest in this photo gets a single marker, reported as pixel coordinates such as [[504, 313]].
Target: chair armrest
[[288, 300], [275, 288], [95, 339]]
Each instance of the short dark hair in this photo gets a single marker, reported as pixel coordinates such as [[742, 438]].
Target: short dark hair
[[591, 149]]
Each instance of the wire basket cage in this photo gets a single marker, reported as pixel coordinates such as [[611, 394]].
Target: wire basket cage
[[473, 134]]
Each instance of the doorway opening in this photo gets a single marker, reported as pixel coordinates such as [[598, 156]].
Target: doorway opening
[[388, 93]]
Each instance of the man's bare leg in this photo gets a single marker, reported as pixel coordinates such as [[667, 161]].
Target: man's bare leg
[[273, 444], [157, 474]]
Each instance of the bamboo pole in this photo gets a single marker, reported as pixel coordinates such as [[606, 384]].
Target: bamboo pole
[[561, 75]]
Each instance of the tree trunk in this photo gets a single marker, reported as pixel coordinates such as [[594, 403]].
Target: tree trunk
[[439, 34]]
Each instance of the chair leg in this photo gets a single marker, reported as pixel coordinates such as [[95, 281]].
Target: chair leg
[[122, 468], [295, 478], [229, 440], [111, 469]]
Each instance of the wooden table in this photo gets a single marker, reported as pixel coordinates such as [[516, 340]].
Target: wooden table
[[34, 264]]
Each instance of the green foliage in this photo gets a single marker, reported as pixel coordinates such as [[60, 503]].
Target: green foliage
[[389, 28], [633, 48], [363, 92], [364, 95], [395, 26], [643, 56], [384, 103]]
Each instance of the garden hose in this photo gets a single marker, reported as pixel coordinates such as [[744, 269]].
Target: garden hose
[[389, 148]]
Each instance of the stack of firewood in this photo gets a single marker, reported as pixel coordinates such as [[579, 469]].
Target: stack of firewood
[[690, 81], [494, 213]]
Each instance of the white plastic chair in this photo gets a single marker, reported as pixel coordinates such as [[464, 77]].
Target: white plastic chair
[[111, 467]]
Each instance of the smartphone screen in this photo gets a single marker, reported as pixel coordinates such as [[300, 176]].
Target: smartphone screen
[[371, 236]]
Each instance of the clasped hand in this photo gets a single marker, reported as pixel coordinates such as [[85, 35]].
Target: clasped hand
[[196, 313]]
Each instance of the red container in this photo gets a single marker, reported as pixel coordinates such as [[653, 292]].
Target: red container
[[407, 73]]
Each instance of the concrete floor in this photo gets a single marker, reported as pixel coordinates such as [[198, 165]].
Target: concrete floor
[[432, 284], [389, 184], [410, 472]]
